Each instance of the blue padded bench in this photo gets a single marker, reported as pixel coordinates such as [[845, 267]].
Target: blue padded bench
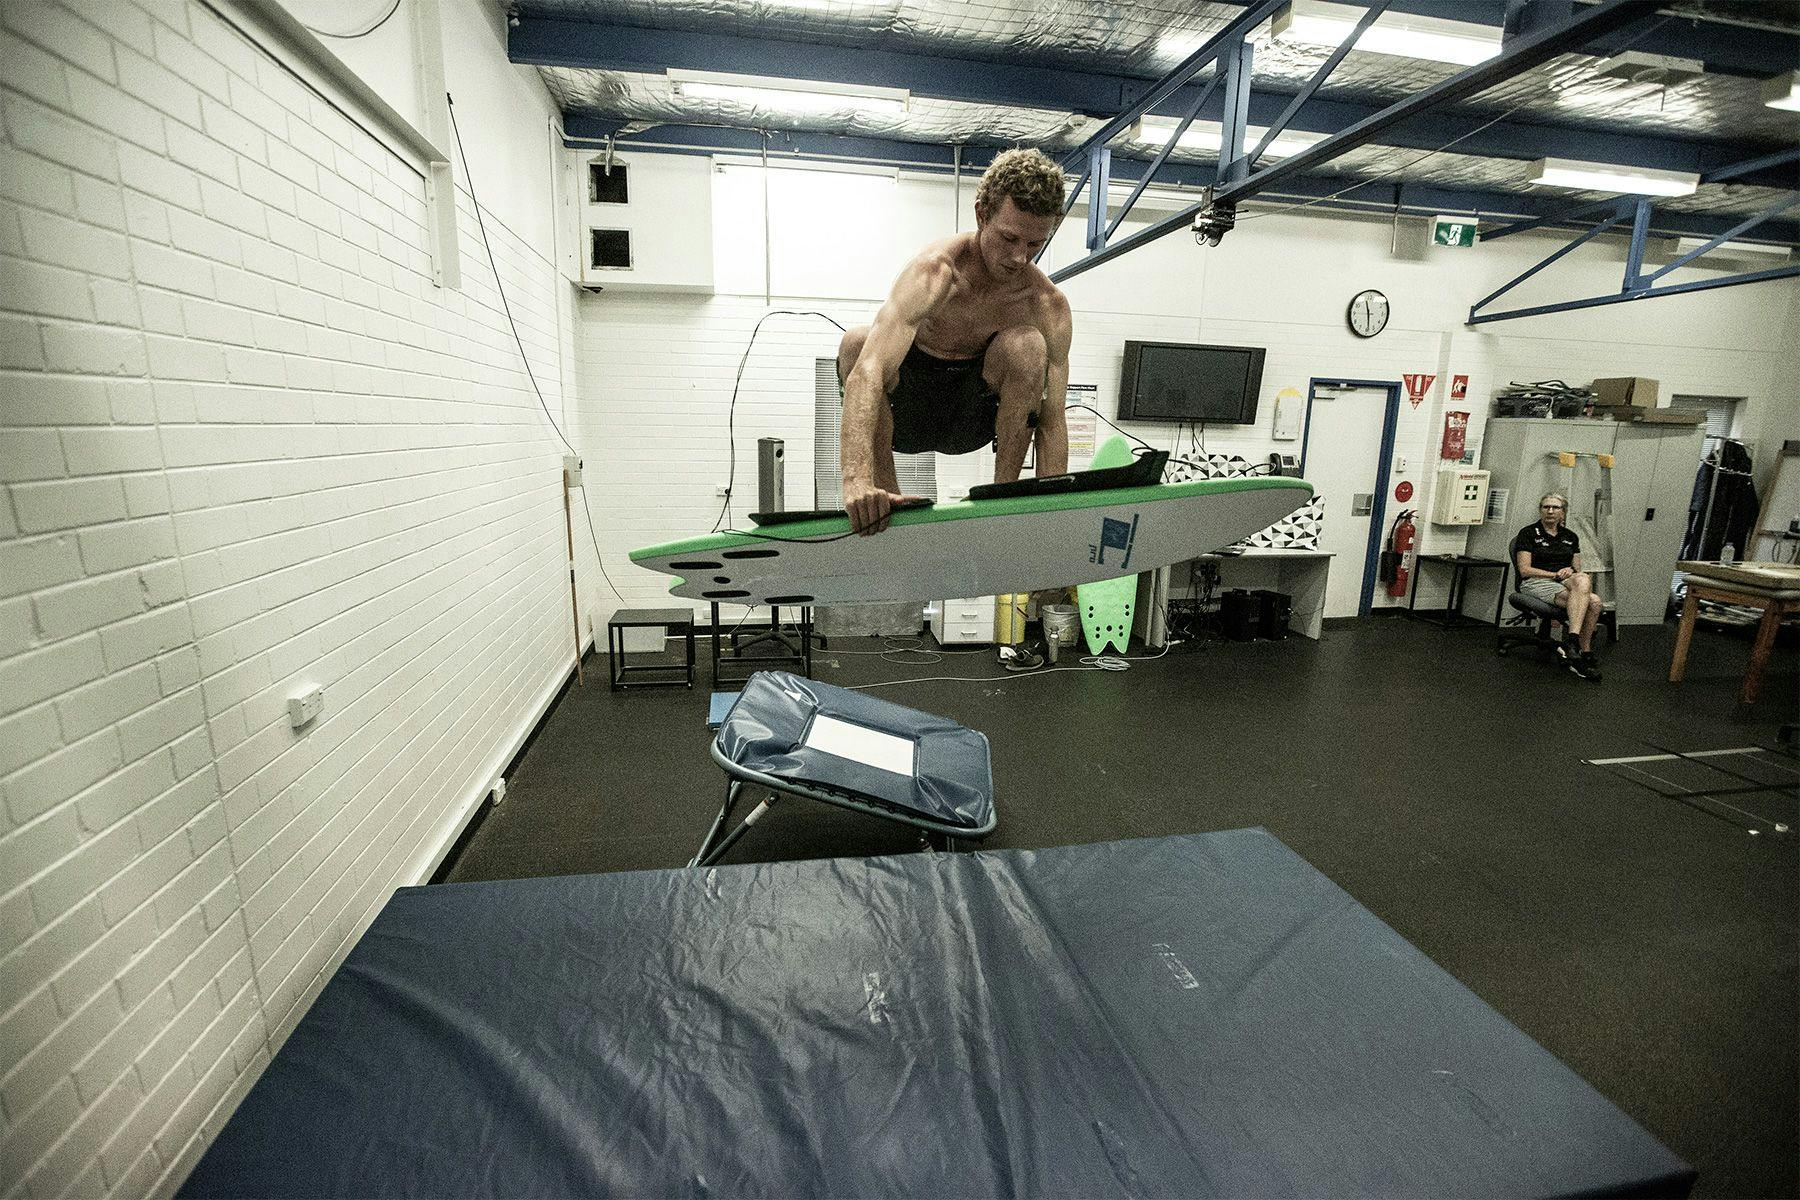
[[797, 737]]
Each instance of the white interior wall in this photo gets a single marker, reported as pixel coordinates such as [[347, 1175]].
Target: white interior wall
[[656, 371], [246, 447]]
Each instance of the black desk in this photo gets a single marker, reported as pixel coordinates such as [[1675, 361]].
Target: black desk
[[799, 658], [1460, 566], [672, 621]]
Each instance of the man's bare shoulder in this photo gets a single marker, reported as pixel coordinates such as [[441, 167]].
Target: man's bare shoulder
[[1048, 304], [941, 257]]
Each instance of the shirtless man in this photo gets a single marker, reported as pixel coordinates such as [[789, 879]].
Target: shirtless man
[[971, 348]]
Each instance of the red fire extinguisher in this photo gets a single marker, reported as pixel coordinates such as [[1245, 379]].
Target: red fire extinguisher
[[1400, 540]]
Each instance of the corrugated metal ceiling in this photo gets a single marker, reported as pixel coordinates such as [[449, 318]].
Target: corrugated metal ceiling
[[1144, 39]]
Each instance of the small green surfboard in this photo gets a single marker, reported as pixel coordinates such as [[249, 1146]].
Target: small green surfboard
[[1106, 607]]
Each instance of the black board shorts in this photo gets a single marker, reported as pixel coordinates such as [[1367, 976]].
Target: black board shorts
[[943, 404]]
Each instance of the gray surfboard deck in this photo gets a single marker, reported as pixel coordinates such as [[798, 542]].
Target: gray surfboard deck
[[975, 547]]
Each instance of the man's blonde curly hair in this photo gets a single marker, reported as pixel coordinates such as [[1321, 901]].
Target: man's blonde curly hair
[[1034, 182]]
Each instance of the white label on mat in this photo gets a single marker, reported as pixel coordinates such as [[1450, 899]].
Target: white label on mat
[[883, 751]]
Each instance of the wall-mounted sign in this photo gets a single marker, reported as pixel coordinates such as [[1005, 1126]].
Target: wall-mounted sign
[[1082, 423], [1403, 490], [1290, 405], [1453, 231], [1417, 386], [1459, 387], [1456, 433]]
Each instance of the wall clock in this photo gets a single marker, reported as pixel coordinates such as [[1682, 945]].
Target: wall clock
[[1368, 313]]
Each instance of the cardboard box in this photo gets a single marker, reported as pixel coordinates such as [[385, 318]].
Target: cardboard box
[[1634, 391]]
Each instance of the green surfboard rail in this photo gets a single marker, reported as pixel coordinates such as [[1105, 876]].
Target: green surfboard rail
[[967, 510], [1105, 607]]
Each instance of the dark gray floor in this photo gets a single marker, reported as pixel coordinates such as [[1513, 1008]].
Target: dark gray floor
[[1649, 945]]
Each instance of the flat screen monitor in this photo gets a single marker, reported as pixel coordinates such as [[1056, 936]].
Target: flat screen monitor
[[1175, 381]]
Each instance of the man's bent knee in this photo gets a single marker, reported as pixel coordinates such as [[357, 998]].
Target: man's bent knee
[[1020, 349], [850, 348]]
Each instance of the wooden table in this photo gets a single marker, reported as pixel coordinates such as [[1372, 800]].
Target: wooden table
[[1777, 604]]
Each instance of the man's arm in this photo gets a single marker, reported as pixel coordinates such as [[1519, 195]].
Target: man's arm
[[922, 286], [1053, 427]]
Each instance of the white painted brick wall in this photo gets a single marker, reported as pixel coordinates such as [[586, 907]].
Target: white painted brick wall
[[247, 447]]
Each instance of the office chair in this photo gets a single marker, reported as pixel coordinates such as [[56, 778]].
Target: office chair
[[1535, 620]]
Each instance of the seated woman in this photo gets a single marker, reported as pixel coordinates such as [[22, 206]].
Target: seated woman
[[1548, 557]]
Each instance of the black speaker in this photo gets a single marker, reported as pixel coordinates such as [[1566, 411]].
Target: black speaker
[[1272, 612], [1238, 615]]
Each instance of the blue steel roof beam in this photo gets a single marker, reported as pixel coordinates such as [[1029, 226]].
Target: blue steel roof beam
[[1319, 77], [1777, 159], [1483, 137], [1162, 156], [1554, 255], [1099, 171], [1698, 285], [1744, 226], [1226, 39], [1525, 53], [1237, 62], [556, 42], [1580, 210], [1726, 49], [548, 42], [583, 131]]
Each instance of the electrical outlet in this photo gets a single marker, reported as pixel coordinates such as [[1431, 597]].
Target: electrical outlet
[[305, 707], [724, 489]]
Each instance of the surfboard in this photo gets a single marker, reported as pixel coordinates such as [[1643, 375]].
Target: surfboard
[[977, 547], [1105, 607]]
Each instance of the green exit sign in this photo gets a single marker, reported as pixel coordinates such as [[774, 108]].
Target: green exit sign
[[1453, 231]]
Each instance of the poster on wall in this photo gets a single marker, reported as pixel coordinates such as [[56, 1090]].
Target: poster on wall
[[1456, 435], [1082, 423], [1289, 407]]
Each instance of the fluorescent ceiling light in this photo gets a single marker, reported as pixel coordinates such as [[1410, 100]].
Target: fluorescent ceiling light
[[1783, 91], [1315, 23], [789, 95], [1209, 137], [1608, 177]]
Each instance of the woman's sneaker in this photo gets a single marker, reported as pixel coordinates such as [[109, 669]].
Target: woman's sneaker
[[1590, 667]]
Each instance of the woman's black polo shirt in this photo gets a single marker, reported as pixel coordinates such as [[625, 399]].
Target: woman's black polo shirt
[[1549, 552]]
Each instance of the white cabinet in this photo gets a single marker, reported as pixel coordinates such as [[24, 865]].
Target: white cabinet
[[965, 621], [644, 225]]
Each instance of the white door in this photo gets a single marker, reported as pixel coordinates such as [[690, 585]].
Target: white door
[[1343, 460]]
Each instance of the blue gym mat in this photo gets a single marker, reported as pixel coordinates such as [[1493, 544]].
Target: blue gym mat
[[1190, 1016]]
